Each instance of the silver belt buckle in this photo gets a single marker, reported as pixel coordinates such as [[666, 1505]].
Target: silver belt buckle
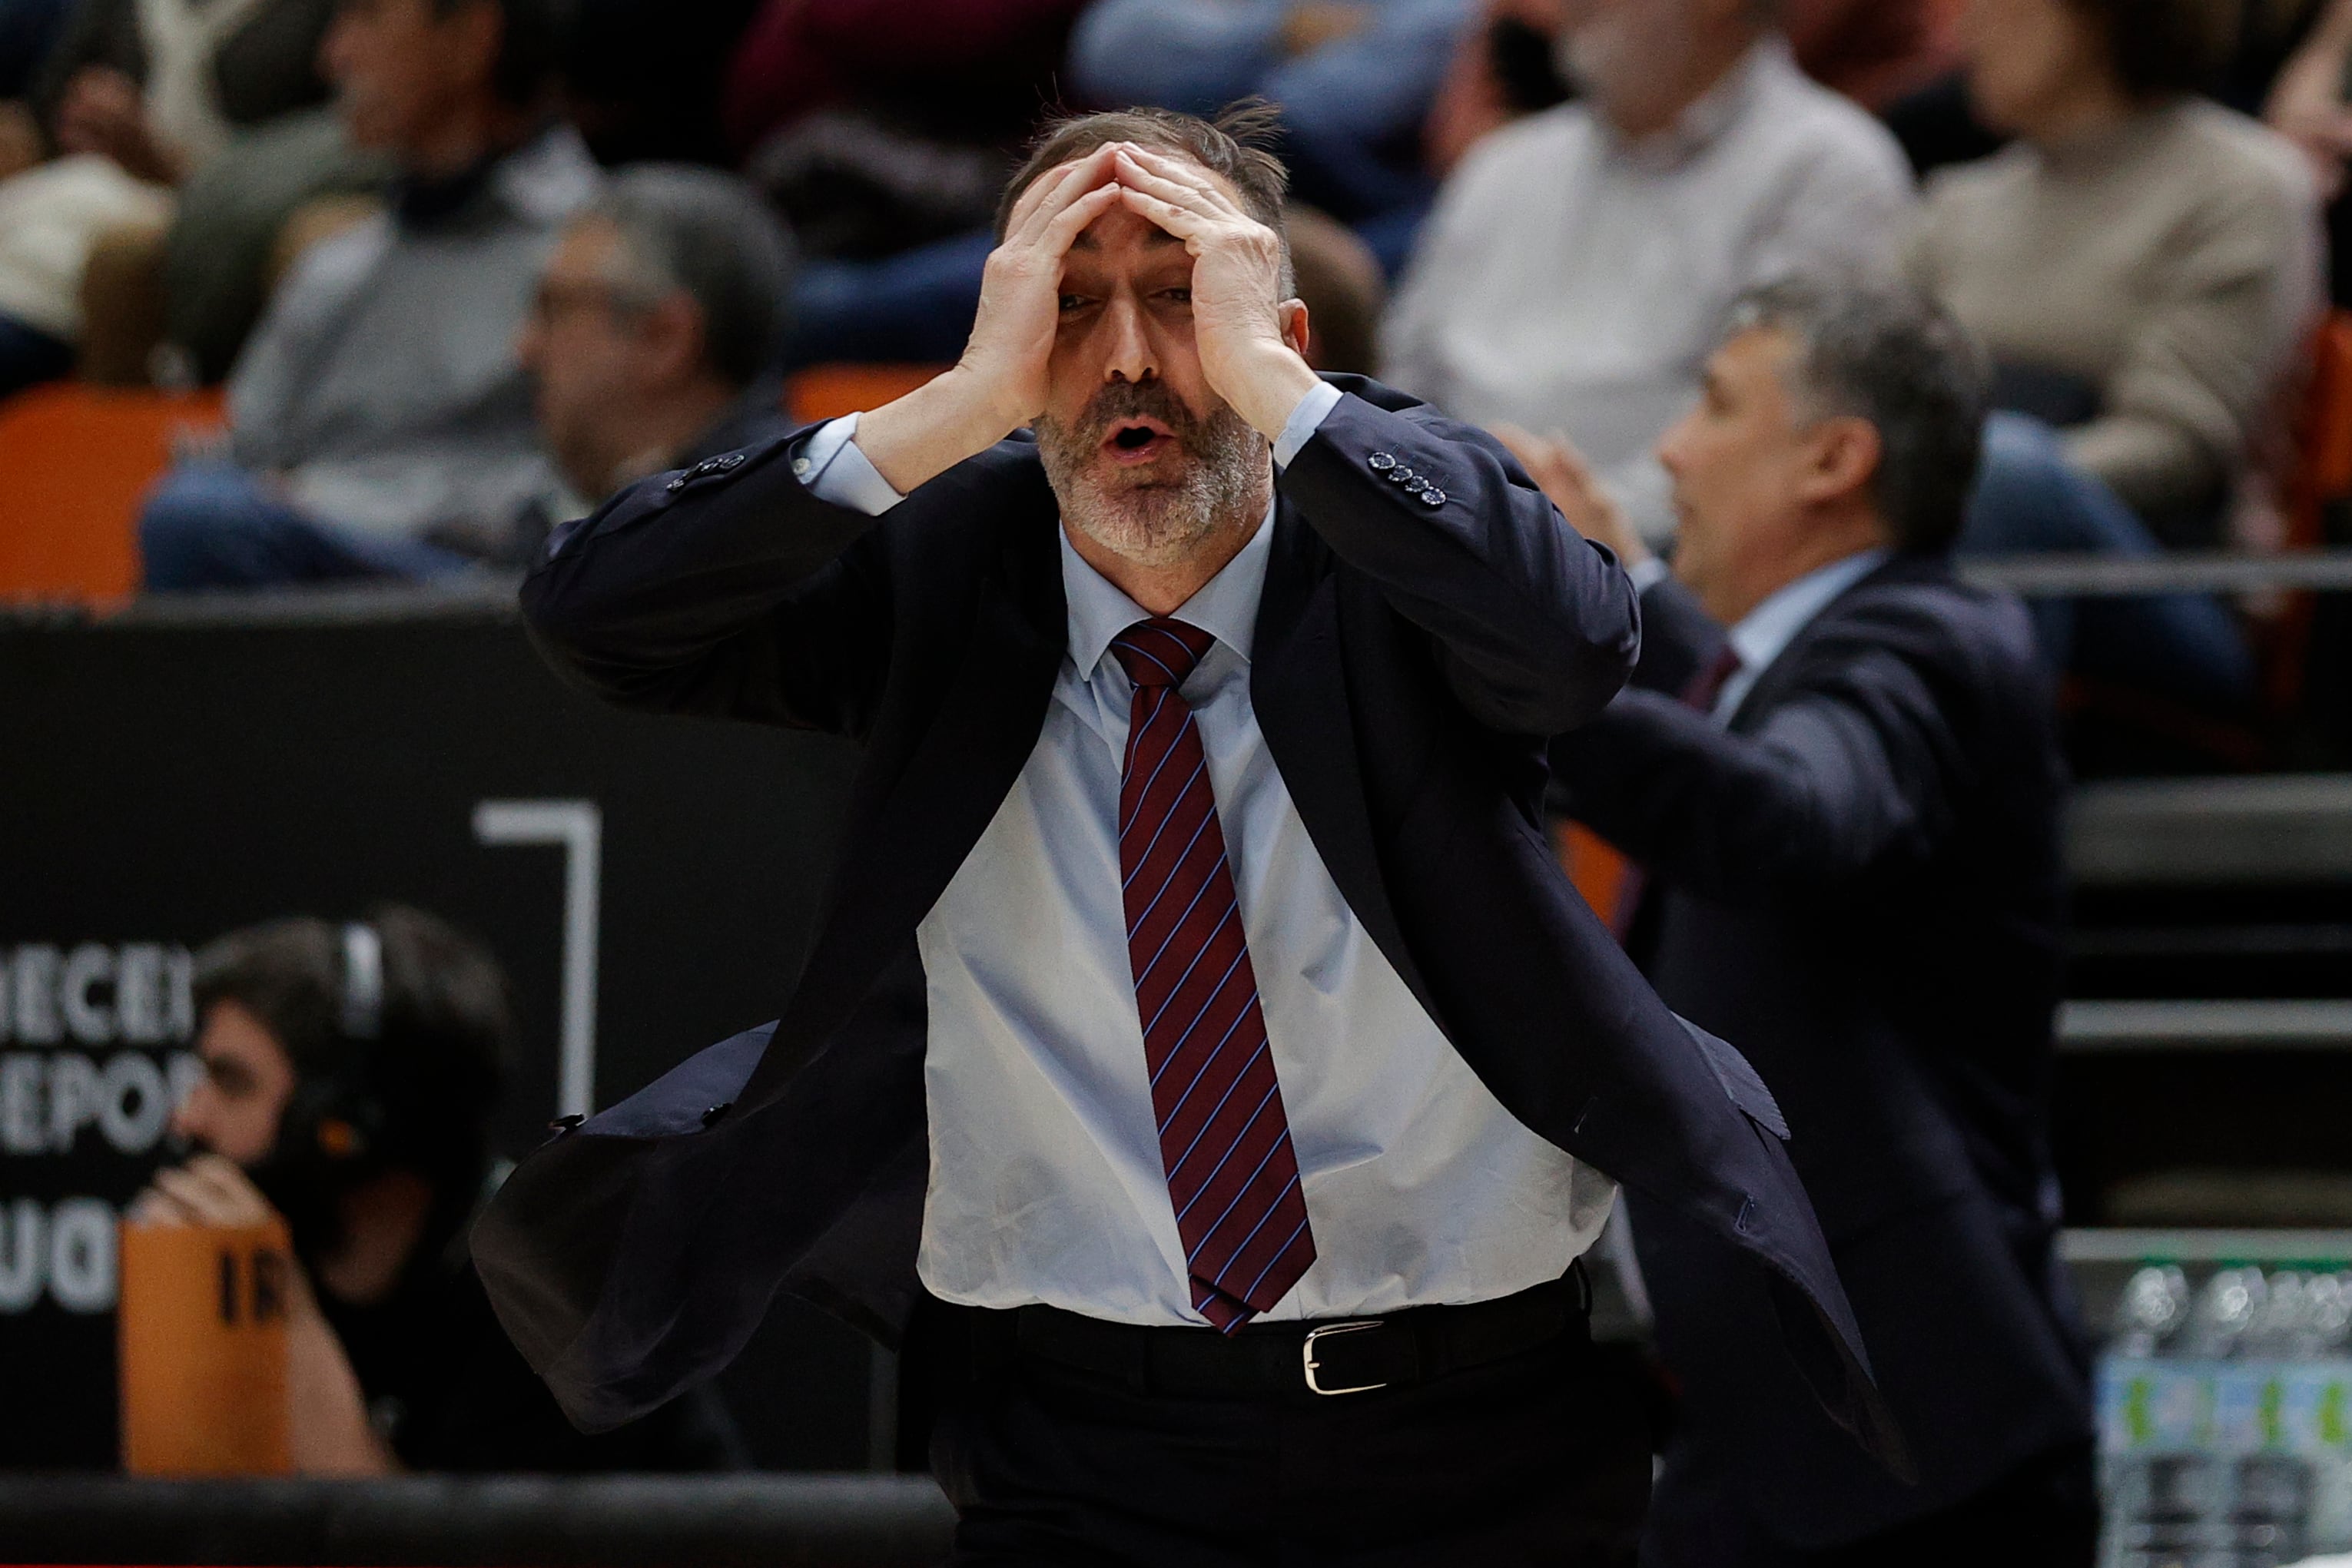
[[1307, 1354]]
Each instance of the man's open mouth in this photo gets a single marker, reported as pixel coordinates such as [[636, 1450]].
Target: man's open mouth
[[1137, 439]]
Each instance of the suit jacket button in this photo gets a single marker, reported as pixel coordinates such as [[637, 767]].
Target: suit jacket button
[[678, 484], [1399, 475], [727, 465], [1381, 462], [1434, 496]]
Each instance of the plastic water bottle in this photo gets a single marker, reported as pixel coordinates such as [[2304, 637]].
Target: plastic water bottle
[[2154, 1307], [2225, 1312], [2162, 1486]]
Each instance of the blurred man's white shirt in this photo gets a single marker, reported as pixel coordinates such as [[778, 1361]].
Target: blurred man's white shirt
[[1573, 280]]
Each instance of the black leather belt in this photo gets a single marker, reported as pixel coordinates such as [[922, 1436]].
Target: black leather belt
[[1329, 1356]]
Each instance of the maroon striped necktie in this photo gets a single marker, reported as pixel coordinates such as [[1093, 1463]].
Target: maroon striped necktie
[[1223, 1138]]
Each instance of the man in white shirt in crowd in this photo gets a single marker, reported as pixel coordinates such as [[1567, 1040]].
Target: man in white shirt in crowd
[[1577, 267]]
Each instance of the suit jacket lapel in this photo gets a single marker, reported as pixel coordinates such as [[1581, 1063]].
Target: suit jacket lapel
[[999, 681], [1773, 685], [1298, 688]]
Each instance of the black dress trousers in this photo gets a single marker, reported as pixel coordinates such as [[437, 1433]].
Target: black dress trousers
[[1542, 1457]]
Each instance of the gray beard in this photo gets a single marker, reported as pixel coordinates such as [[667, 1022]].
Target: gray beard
[[1223, 462]]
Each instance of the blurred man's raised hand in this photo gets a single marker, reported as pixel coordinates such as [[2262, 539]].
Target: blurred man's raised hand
[[1568, 481]]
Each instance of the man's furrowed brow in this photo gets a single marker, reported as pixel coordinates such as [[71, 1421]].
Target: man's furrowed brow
[[1158, 239]]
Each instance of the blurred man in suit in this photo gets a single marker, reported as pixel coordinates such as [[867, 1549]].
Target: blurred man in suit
[[1838, 773]]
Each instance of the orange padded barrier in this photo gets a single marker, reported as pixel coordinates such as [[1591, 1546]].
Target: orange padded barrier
[[75, 463], [203, 1331], [2324, 458], [828, 392], [2321, 476]]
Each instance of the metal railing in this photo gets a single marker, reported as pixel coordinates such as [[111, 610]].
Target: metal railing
[[522, 1521], [2292, 830], [2176, 571]]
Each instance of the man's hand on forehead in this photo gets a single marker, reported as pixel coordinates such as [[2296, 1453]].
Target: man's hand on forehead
[[1055, 193], [999, 383], [1247, 340], [1248, 336]]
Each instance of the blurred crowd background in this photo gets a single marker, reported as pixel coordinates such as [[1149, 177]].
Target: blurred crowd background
[[316, 293], [440, 271]]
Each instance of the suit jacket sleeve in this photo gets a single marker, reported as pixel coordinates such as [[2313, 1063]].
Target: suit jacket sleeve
[[1678, 639], [728, 589], [1535, 627], [1852, 771]]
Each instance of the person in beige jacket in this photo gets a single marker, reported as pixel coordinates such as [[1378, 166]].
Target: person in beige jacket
[[2142, 267], [2142, 264]]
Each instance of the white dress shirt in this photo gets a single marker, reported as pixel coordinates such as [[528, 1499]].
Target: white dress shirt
[[1570, 279], [1047, 1180]]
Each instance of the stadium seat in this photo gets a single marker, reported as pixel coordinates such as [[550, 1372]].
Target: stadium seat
[[79, 459], [828, 392], [2321, 476], [2323, 444]]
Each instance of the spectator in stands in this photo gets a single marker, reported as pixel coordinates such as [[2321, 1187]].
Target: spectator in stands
[[643, 78], [1838, 767], [1876, 52], [653, 334], [379, 410], [972, 71], [2143, 266], [351, 1077], [2308, 106], [1354, 79], [134, 97], [1579, 261], [1504, 71]]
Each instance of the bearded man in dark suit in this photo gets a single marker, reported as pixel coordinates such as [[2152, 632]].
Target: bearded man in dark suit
[[1200, 1048], [1838, 775]]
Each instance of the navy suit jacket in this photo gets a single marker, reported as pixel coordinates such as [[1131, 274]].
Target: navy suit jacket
[[1859, 881], [1409, 654]]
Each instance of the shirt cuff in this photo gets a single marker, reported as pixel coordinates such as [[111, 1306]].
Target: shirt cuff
[[1647, 574], [835, 470], [1303, 422]]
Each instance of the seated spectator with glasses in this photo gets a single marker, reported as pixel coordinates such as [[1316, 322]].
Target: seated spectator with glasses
[[378, 415], [652, 338]]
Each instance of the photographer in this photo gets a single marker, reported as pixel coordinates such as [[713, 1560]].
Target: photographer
[[350, 1076]]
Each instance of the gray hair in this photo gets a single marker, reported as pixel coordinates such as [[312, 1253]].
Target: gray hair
[[1875, 348], [709, 235]]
